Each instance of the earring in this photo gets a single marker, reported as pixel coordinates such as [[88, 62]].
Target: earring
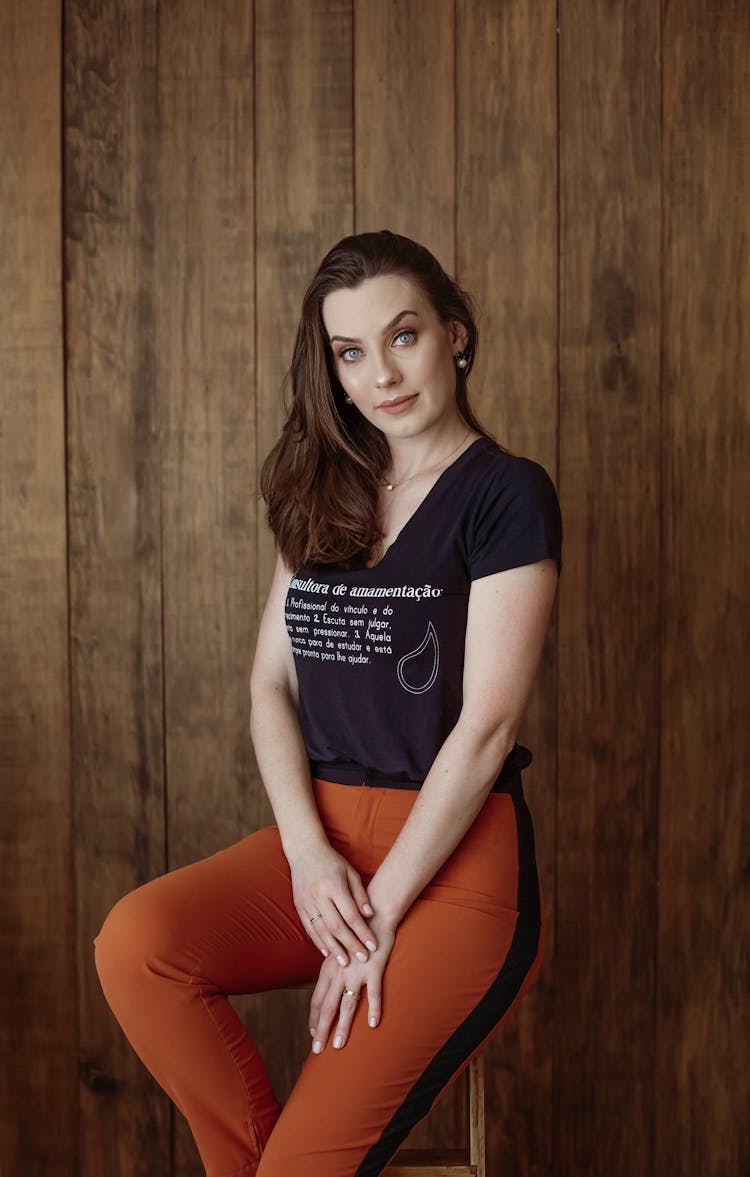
[[461, 360], [348, 399]]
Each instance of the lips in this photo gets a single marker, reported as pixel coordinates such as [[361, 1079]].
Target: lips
[[398, 403]]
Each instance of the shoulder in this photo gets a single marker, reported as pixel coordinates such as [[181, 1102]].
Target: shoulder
[[513, 515], [496, 470]]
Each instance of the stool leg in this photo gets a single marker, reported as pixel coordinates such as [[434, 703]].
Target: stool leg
[[476, 1115]]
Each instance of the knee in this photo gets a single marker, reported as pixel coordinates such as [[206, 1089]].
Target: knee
[[134, 931]]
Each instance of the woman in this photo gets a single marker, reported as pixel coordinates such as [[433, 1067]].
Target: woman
[[417, 568]]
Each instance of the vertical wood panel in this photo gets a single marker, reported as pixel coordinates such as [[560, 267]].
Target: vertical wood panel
[[303, 186], [702, 1089], [404, 121], [207, 417], [303, 206], [115, 549], [609, 618], [506, 183], [404, 104], [205, 362], [38, 1009]]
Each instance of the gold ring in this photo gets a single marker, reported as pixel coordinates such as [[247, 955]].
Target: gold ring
[[350, 993]]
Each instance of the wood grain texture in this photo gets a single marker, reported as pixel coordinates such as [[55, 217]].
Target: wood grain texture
[[303, 95], [444, 1163], [609, 599], [477, 1118], [404, 107], [703, 1030], [610, 194], [206, 395], [114, 540], [304, 188], [506, 179], [38, 1007], [205, 362]]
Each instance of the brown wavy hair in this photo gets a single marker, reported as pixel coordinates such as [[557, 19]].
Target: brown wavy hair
[[320, 481]]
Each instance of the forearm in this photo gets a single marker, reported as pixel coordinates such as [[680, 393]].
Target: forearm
[[451, 796], [325, 886], [285, 768]]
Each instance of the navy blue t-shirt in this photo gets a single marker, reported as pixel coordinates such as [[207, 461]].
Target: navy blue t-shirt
[[379, 652]]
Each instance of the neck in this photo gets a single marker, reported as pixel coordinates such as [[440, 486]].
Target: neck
[[410, 455]]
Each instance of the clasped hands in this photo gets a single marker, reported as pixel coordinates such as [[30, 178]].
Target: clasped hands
[[332, 903]]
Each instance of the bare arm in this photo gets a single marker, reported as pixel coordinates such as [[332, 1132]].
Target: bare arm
[[328, 892], [507, 624], [274, 726], [506, 628]]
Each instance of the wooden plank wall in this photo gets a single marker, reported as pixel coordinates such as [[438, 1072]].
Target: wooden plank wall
[[608, 701], [115, 536], [702, 1011], [506, 181], [583, 169], [38, 1006]]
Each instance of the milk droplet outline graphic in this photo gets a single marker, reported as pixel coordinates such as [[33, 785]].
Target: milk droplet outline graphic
[[430, 638]]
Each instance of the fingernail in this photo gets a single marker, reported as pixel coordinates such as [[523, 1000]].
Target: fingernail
[[373, 1022], [361, 956], [338, 1041], [341, 960], [324, 951], [367, 909], [312, 1031], [317, 1047], [371, 945]]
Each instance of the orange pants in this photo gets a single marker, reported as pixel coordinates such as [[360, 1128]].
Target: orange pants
[[469, 947]]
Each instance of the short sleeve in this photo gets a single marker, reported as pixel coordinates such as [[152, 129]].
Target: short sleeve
[[517, 521]]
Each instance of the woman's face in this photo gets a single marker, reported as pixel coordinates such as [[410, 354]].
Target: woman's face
[[393, 355]]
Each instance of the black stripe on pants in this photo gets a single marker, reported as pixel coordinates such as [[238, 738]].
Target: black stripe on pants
[[483, 1018]]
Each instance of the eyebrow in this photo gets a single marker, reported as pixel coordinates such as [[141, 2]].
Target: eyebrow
[[386, 329]]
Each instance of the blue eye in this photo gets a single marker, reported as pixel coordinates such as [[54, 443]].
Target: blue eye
[[406, 331], [343, 354]]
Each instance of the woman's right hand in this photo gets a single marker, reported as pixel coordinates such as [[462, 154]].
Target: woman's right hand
[[331, 901]]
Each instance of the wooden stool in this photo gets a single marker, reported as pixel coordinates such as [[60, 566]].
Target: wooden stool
[[451, 1162]]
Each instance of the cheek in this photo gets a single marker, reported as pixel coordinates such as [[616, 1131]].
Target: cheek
[[353, 381], [437, 369], [434, 360]]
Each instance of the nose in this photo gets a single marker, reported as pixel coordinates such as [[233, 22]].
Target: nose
[[386, 372]]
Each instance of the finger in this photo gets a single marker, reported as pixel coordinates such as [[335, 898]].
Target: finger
[[316, 1002], [374, 1001], [331, 919], [357, 888], [347, 1010], [358, 928], [338, 924], [311, 924], [328, 1010], [350, 910], [338, 936]]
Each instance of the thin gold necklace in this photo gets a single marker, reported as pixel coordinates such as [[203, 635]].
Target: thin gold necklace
[[393, 485]]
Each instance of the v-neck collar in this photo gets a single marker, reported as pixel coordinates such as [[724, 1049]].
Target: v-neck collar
[[456, 462]]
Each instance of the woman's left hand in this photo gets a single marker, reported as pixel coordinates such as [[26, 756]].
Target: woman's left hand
[[329, 1002]]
